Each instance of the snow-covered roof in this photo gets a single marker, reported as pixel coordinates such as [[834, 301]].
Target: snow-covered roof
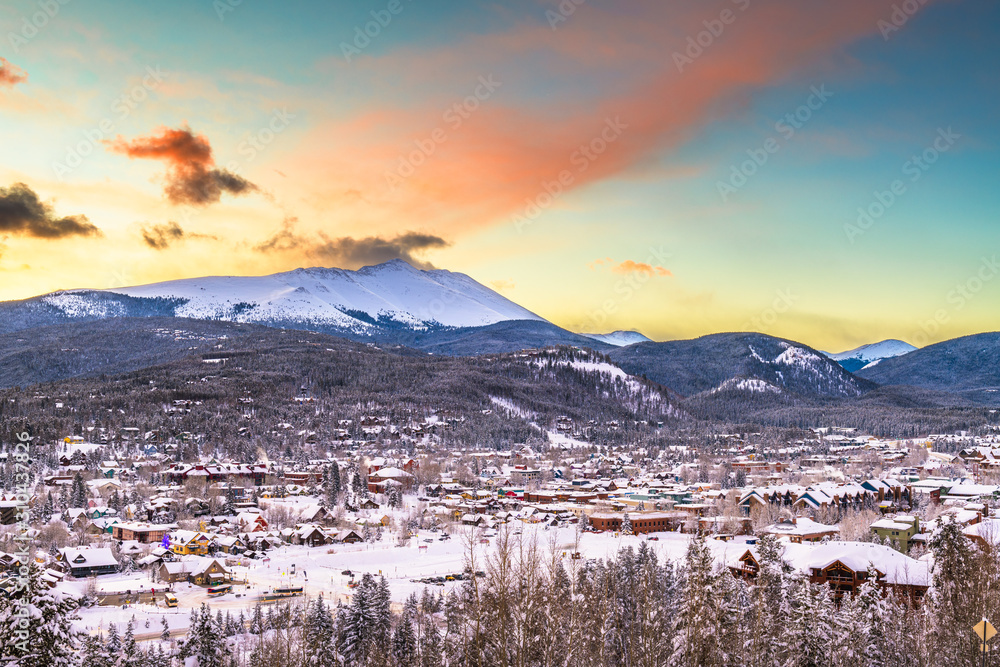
[[802, 526], [987, 530], [858, 556], [390, 473], [89, 556]]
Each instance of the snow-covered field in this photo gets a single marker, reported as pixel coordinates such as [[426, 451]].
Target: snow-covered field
[[319, 571]]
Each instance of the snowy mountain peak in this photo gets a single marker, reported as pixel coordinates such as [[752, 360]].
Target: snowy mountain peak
[[871, 354], [393, 294], [619, 338]]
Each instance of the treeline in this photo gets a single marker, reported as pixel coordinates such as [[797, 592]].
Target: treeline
[[529, 607], [239, 403]]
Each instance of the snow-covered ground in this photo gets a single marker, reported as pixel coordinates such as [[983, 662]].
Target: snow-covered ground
[[319, 571]]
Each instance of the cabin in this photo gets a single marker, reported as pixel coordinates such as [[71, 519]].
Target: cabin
[[171, 572], [845, 566], [89, 561], [209, 572], [348, 537], [309, 535], [316, 514], [898, 531]]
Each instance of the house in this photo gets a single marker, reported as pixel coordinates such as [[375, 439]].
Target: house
[[897, 531], [316, 514], [251, 522], [347, 537], [260, 541], [310, 535], [189, 542], [9, 562], [209, 572], [844, 566], [986, 532], [142, 533], [171, 572], [230, 544], [801, 529], [89, 561], [377, 480]]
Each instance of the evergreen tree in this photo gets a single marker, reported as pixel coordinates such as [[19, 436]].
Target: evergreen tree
[[115, 501], [130, 652], [94, 653], [808, 633], [36, 626], [698, 615], [78, 493], [257, 620], [626, 525], [331, 485], [114, 643], [430, 647], [208, 645], [318, 635], [955, 595], [404, 642], [165, 634], [355, 622]]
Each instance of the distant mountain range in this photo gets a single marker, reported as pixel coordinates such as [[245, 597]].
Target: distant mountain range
[[620, 338], [748, 363], [969, 366], [86, 332], [871, 354]]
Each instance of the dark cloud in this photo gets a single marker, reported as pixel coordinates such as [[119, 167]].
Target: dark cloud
[[351, 253], [22, 213], [191, 176], [11, 74], [161, 237]]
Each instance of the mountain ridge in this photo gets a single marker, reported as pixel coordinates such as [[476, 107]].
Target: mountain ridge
[[871, 354]]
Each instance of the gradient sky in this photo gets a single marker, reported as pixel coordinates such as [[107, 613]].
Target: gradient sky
[[200, 137]]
